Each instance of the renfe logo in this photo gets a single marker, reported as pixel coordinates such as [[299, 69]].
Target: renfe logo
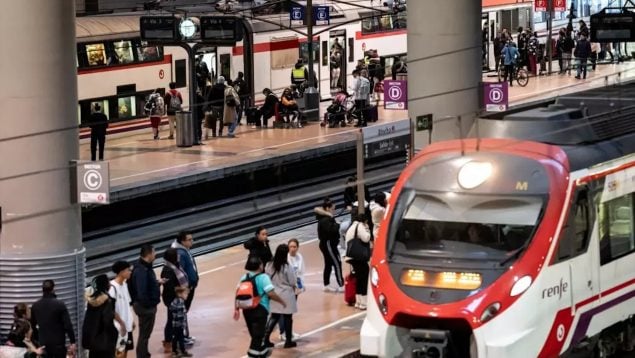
[[557, 290]]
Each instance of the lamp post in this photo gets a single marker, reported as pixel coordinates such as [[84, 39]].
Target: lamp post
[[311, 95]]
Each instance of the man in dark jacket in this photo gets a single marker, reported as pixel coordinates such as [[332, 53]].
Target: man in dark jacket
[[98, 124], [51, 323], [145, 295], [241, 87], [268, 109], [582, 52], [216, 99], [259, 246], [329, 236]]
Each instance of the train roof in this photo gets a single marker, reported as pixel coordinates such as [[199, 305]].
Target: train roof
[[268, 17], [592, 127]]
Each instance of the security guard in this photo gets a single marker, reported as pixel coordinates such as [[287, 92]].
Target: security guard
[[299, 73]]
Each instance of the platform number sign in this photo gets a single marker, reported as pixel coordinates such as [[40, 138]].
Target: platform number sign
[[296, 15], [321, 15], [424, 123], [92, 183]]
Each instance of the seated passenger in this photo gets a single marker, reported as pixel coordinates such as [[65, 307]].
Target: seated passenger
[[289, 106], [479, 234], [268, 109]]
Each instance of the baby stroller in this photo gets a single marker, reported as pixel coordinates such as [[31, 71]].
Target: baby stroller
[[337, 112]]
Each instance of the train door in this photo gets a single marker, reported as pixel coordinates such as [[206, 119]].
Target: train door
[[304, 55], [225, 63], [337, 60], [208, 57]]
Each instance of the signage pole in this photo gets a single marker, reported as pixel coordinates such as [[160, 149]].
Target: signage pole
[[309, 31], [361, 208], [549, 35]]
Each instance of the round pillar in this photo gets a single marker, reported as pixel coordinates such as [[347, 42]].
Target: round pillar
[[41, 231]]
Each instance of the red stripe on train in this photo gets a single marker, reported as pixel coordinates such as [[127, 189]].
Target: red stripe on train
[[167, 60]]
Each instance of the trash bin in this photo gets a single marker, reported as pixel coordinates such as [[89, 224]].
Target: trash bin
[[184, 129]]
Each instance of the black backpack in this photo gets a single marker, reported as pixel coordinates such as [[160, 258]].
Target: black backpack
[[230, 101]]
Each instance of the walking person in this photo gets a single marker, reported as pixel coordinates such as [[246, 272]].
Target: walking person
[[174, 277], [99, 334], [259, 246], [359, 231], [155, 107], [510, 54], [183, 245], [216, 100], [98, 124], [296, 261], [329, 237], [582, 53], [377, 211], [179, 322], [256, 317], [174, 101], [51, 323], [145, 295], [124, 320], [242, 88], [284, 281]]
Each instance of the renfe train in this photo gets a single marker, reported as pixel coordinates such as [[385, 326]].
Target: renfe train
[[519, 244]]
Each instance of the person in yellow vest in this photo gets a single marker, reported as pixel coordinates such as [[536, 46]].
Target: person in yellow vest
[[299, 73]]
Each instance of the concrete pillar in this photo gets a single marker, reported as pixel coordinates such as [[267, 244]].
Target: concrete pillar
[[41, 231], [444, 65]]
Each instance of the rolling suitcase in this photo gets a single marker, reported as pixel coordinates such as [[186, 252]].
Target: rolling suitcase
[[371, 114], [350, 286]]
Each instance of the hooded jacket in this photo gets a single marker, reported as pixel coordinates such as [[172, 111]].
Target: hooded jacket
[[328, 228], [259, 249], [98, 330]]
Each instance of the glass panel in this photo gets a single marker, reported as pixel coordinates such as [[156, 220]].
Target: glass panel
[[104, 107], [126, 107], [123, 52], [96, 54], [149, 53]]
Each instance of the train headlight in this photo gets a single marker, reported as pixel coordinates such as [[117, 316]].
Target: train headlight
[[520, 286], [374, 277], [490, 312], [473, 174]]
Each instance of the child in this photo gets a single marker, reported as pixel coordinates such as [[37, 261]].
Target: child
[[179, 322]]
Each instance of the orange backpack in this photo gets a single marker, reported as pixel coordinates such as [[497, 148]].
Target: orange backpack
[[247, 296]]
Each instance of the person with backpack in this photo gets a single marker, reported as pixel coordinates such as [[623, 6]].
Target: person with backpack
[[230, 113], [285, 283], [155, 107], [361, 88], [174, 101], [99, 334], [253, 294]]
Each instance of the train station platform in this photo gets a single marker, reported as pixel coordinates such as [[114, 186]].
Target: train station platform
[[140, 165]]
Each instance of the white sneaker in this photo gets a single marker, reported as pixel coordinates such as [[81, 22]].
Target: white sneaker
[[329, 289], [339, 289]]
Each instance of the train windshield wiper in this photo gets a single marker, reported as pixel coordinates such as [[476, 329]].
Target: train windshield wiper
[[514, 255]]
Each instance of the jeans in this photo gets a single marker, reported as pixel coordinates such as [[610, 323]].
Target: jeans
[[582, 67], [233, 125], [97, 136], [361, 274], [147, 316], [509, 72]]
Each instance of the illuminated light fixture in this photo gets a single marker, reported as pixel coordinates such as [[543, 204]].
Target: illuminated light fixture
[[520, 286], [374, 277], [188, 27], [448, 280], [490, 312], [473, 174]]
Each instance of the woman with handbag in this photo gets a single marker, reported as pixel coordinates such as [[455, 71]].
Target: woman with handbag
[[358, 250]]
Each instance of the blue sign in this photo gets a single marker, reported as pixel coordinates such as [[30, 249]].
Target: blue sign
[[321, 15], [296, 15]]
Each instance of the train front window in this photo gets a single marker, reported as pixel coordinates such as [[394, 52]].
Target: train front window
[[464, 226]]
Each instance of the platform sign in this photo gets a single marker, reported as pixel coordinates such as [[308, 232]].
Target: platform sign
[[495, 96], [158, 28], [296, 15], [321, 15], [424, 122], [613, 27], [540, 5], [560, 5], [386, 138], [93, 183], [395, 94]]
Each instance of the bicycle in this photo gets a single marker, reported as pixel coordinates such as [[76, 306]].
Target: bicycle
[[520, 75]]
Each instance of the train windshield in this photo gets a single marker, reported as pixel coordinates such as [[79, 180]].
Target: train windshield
[[464, 226]]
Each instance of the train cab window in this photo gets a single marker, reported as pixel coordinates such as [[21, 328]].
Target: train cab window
[[616, 225], [574, 237]]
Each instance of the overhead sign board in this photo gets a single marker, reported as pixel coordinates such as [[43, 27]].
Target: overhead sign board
[[158, 28], [495, 96], [386, 138], [540, 5], [92, 183], [221, 29], [296, 15], [560, 5], [543, 5], [395, 94], [613, 27], [321, 15]]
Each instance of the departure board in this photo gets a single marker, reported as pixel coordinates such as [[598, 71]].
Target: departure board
[[157, 28]]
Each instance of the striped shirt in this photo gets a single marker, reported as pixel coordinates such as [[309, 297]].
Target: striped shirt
[[179, 315]]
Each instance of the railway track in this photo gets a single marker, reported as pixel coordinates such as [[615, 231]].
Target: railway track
[[229, 222]]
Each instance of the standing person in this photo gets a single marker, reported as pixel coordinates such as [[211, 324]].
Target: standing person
[[98, 124], [183, 245], [533, 47], [198, 120], [216, 100], [173, 101], [179, 322], [377, 211], [296, 262], [596, 48], [155, 107], [145, 294], [256, 317], [124, 321], [51, 323], [359, 231], [174, 277], [99, 334], [560, 50], [230, 114], [361, 88], [498, 43], [259, 246], [299, 74], [510, 53], [567, 47], [242, 88], [329, 237], [582, 53], [284, 281]]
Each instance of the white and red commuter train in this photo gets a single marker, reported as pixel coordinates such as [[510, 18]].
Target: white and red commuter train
[[117, 68], [519, 244]]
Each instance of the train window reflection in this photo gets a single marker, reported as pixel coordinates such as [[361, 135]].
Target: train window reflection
[[466, 226]]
